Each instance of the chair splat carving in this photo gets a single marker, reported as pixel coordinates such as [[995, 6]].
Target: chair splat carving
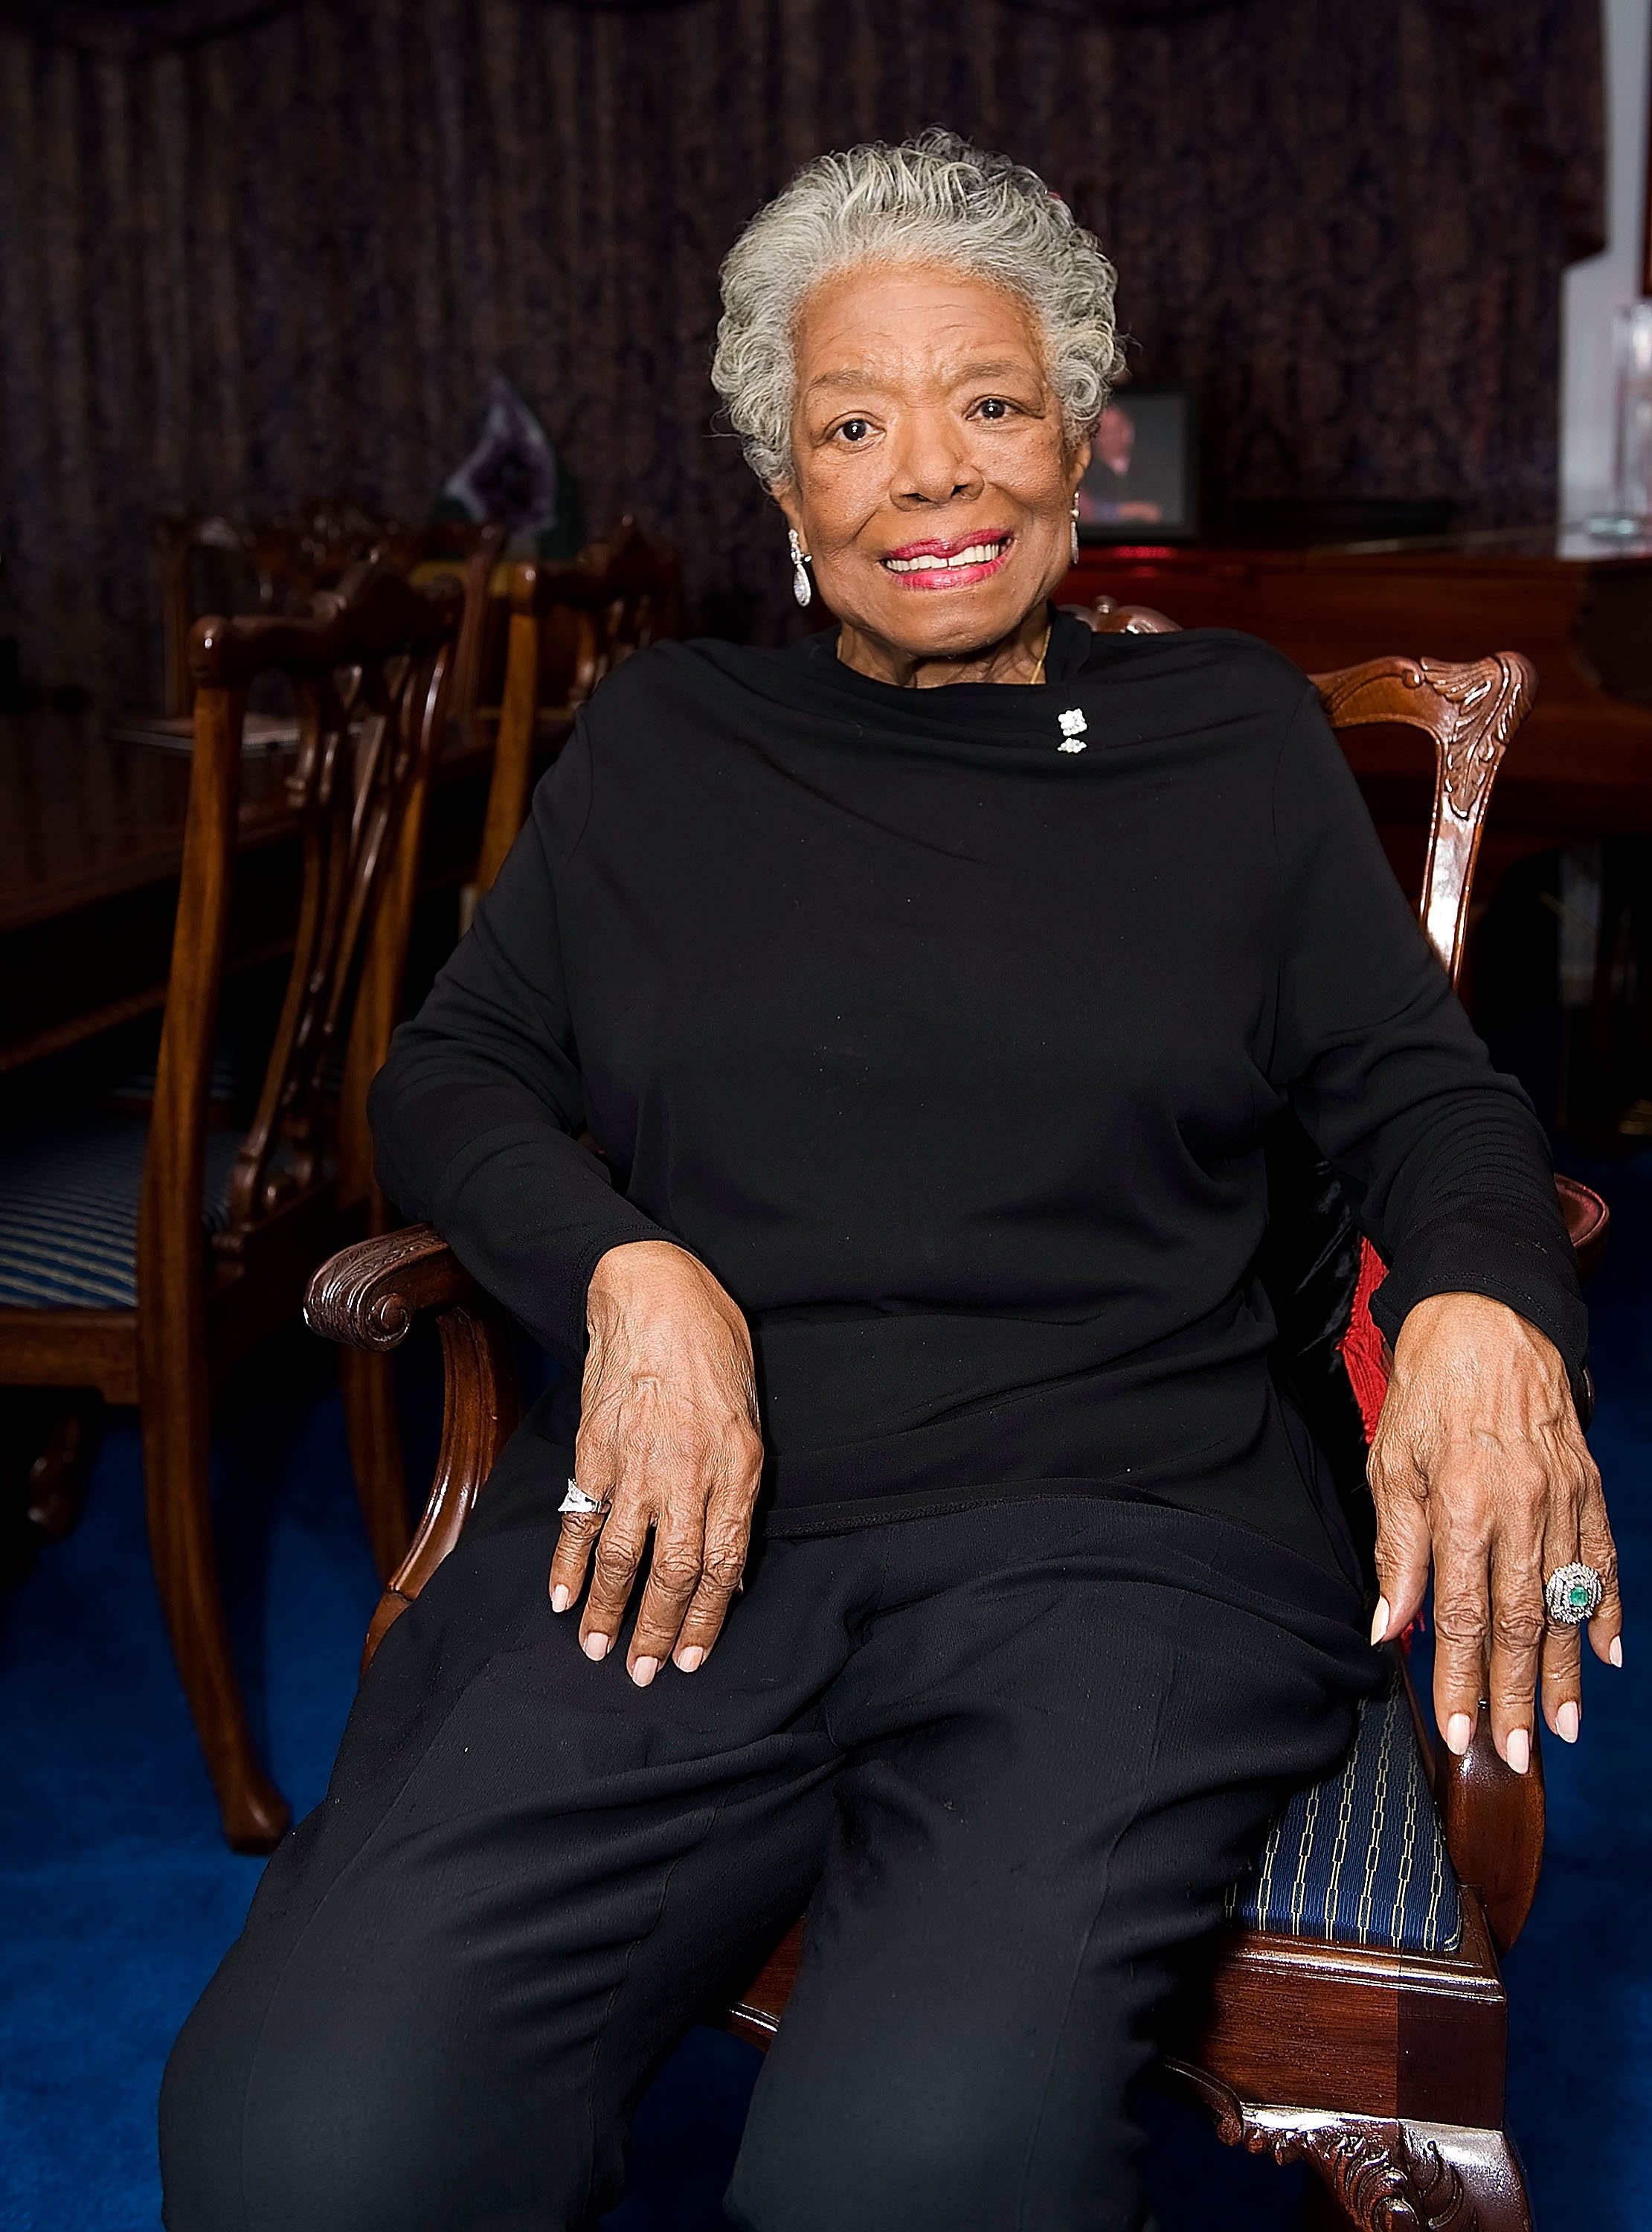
[[278, 567], [369, 667], [1470, 710], [367, 733]]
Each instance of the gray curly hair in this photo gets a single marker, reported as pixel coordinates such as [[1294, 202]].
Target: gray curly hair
[[934, 199]]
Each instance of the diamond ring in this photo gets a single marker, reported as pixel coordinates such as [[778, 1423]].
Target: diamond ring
[[1573, 1595], [577, 1500]]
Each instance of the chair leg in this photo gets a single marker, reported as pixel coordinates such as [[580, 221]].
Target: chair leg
[[367, 1386], [1372, 2175], [1492, 2183], [58, 1476], [176, 1482]]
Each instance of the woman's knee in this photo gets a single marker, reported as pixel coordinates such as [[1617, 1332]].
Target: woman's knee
[[259, 2130], [933, 2150], [358, 2116]]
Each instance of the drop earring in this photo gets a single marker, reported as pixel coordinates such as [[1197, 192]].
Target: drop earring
[[802, 587], [1075, 529]]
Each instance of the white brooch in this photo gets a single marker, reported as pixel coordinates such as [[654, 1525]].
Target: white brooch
[[1074, 724]]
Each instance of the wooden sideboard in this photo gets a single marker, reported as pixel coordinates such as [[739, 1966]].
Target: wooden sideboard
[[1582, 766]]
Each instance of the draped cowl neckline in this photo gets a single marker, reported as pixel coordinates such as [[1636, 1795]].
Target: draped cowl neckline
[[810, 682]]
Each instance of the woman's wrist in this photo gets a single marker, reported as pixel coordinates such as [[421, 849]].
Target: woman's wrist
[[629, 1260], [643, 1283], [635, 1272]]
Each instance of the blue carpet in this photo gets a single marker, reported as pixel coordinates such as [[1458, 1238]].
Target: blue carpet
[[1580, 1979], [118, 1897]]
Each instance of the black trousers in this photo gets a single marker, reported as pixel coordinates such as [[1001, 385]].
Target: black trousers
[[1012, 1750]]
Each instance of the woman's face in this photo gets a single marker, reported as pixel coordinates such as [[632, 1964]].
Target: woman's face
[[933, 482]]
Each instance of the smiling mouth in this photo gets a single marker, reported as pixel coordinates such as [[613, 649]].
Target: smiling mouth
[[936, 564]]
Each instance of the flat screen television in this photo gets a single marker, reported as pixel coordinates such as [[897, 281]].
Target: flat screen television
[[1142, 482]]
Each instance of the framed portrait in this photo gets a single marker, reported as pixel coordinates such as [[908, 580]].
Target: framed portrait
[[1142, 484]]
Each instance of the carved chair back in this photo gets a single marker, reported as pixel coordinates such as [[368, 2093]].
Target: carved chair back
[[211, 564], [569, 626], [1470, 710], [369, 668], [276, 568], [467, 552]]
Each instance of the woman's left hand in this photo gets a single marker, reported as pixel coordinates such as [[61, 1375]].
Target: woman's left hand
[[1480, 1461]]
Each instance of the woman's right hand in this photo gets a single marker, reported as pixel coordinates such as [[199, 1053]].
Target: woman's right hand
[[668, 1433]]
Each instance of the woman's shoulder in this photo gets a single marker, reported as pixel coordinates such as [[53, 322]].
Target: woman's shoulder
[[1250, 673], [688, 678]]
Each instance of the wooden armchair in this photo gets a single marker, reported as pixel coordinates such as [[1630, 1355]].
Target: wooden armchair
[[143, 1256], [1353, 2016], [569, 624]]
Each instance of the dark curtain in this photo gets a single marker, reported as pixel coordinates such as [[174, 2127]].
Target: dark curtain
[[124, 25], [283, 257]]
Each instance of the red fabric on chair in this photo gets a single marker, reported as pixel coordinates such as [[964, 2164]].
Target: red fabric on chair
[[1361, 1347]]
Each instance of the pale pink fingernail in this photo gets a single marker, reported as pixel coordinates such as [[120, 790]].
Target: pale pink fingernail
[[643, 1672], [1566, 1720], [1614, 1650], [596, 1646], [1518, 1753], [1459, 1730], [1379, 1623], [560, 1598], [687, 1660]]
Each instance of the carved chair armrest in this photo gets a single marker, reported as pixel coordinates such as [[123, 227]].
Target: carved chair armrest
[[1494, 1825], [1493, 1818], [367, 1296]]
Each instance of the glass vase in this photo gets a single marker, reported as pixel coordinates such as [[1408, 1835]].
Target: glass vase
[[1631, 508]]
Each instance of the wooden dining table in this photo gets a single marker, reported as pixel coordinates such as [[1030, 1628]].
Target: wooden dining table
[[91, 847]]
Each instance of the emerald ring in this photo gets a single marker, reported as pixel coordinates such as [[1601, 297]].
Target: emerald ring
[[1572, 1594]]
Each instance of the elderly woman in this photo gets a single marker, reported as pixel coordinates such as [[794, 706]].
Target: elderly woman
[[927, 990]]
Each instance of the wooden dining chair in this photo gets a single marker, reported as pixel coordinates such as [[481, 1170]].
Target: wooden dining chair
[[275, 567], [142, 1256], [467, 552], [569, 624], [272, 567], [1353, 2014]]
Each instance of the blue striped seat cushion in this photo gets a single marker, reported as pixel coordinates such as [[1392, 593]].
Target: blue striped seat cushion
[[223, 1082], [1359, 1858], [69, 1211]]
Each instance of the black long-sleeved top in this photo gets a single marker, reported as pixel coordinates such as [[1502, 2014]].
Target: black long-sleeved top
[[943, 1025]]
